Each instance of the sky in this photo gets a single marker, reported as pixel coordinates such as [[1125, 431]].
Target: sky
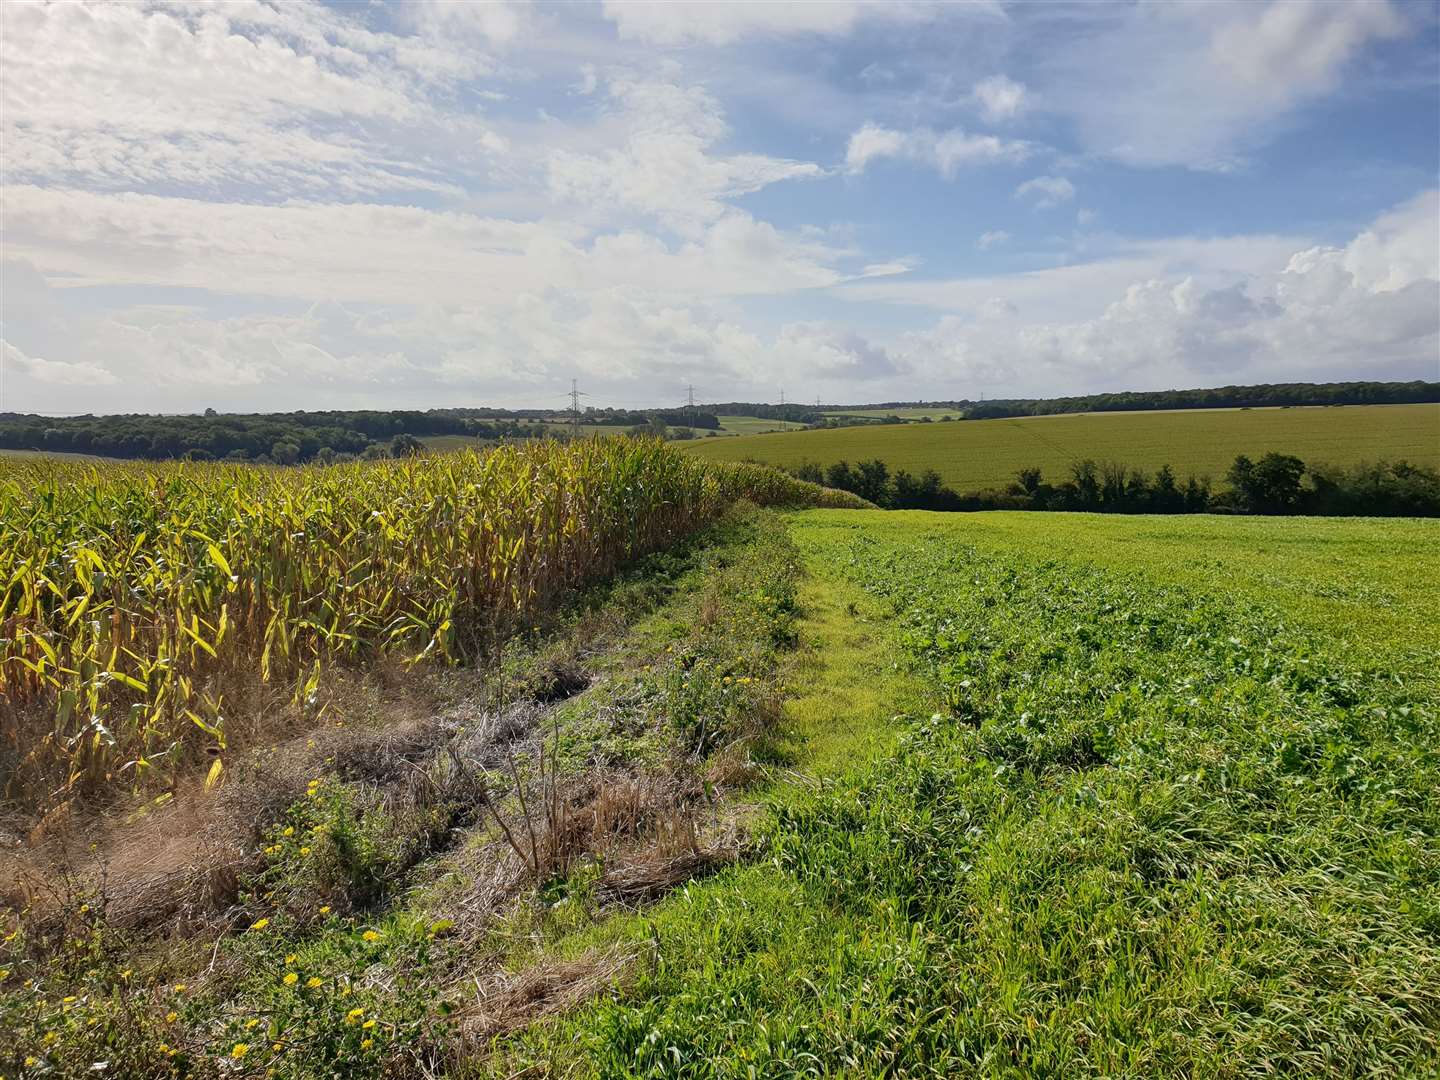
[[257, 206]]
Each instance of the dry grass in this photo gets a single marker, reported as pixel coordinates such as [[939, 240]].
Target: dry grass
[[510, 1001]]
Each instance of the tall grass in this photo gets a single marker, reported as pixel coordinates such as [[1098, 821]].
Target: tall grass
[[133, 596]]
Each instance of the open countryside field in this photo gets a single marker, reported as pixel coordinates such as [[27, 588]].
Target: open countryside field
[[975, 454], [560, 760], [748, 425]]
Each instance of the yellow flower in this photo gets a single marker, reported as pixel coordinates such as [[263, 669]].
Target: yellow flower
[[365, 1044], [240, 1050], [164, 1048], [171, 1017], [370, 935], [69, 999], [251, 1024], [368, 1024], [312, 982], [84, 908], [304, 851], [289, 958], [291, 979], [289, 831], [259, 924], [50, 1037], [179, 988], [278, 1047], [324, 909], [31, 1062], [126, 973]]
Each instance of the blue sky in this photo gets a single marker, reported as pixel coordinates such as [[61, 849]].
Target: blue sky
[[266, 206]]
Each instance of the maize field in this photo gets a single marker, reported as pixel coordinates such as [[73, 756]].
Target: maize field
[[129, 594]]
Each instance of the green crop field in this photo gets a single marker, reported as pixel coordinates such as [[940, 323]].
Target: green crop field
[[904, 414], [747, 425], [975, 454]]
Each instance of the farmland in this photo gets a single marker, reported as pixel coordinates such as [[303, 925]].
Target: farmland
[[971, 455], [137, 597], [667, 788], [902, 412]]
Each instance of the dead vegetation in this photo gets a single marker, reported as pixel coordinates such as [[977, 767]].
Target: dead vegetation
[[509, 1001]]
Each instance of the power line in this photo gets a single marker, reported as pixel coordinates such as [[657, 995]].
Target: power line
[[575, 395]]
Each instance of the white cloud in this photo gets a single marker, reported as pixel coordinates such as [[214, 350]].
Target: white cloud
[[945, 151], [815, 350], [677, 22], [295, 97], [1368, 309], [1149, 314], [1218, 78], [1046, 192], [887, 269], [992, 238], [1287, 50], [493, 22], [386, 254], [664, 165], [54, 372], [1001, 98]]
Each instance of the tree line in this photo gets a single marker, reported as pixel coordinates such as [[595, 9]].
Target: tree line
[[1265, 395], [1275, 484], [288, 438]]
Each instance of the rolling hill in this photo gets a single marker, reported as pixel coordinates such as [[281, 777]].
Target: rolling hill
[[974, 454]]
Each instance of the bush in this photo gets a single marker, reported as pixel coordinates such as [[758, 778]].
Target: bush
[[1276, 484]]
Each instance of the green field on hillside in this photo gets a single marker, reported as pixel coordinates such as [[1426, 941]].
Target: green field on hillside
[[748, 425], [904, 414], [974, 454]]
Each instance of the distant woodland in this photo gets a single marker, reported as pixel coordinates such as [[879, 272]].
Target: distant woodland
[[289, 438], [1268, 395]]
